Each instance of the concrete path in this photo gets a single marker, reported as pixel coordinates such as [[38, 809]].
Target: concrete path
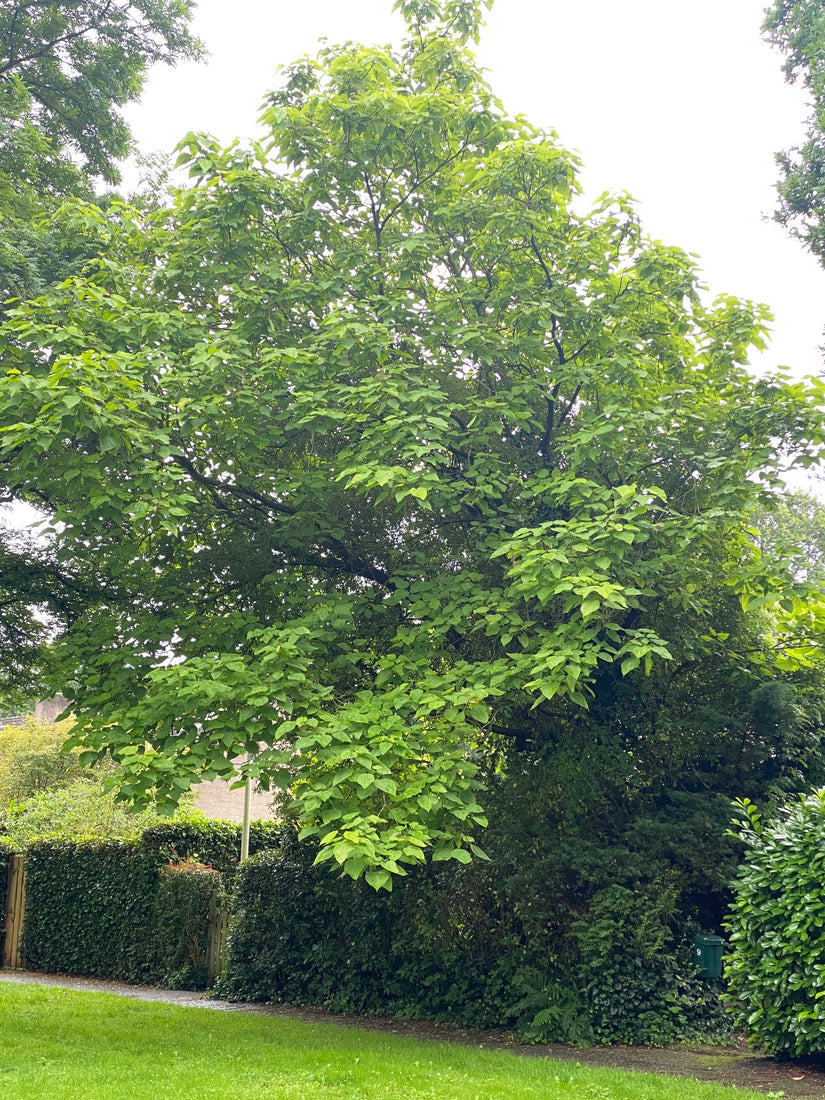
[[136, 992]]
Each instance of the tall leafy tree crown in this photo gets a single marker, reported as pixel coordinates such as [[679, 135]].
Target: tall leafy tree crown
[[377, 454]]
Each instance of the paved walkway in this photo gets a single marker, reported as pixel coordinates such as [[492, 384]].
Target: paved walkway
[[136, 992]]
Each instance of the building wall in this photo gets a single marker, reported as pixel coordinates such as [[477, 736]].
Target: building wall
[[47, 710], [216, 799]]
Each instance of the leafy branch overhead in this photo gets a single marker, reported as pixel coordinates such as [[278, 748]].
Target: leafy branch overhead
[[67, 66], [386, 455], [796, 28]]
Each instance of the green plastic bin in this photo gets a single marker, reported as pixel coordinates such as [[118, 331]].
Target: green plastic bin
[[707, 954]]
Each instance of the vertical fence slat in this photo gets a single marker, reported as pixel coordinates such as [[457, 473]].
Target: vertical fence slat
[[15, 908], [218, 928]]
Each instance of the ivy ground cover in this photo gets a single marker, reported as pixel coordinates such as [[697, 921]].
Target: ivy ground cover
[[61, 1043]]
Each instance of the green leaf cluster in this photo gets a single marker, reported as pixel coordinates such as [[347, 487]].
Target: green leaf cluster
[[32, 759], [796, 28], [67, 68]]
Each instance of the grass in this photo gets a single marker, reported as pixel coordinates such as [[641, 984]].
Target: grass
[[59, 1044]]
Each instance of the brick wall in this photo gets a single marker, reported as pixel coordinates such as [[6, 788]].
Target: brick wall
[[216, 799]]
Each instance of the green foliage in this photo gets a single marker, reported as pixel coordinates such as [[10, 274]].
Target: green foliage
[[794, 529], [81, 809], [33, 592], [775, 972], [32, 759], [302, 935], [295, 939], [68, 68], [549, 1011], [796, 27], [69, 65], [90, 909], [638, 991], [391, 461], [188, 895], [455, 19], [6, 850], [191, 837]]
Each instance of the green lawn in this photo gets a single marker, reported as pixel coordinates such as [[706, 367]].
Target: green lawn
[[62, 1045]]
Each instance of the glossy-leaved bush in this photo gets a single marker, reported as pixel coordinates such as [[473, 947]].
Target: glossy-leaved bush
[[776, 973]]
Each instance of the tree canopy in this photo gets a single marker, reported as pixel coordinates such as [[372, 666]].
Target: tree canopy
[[797, 28], [67, 67], [378, 457], [66, 70]]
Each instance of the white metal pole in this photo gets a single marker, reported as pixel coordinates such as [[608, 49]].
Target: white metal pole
[[247, 809]]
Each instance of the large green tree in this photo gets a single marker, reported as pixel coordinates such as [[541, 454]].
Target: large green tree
[[380, 457]]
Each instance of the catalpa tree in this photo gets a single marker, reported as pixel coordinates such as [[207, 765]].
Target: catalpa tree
[[376, 450]]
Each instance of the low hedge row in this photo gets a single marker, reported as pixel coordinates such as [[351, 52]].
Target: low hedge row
[[448, 944], [214, 843], [90, 909], [132, 911]]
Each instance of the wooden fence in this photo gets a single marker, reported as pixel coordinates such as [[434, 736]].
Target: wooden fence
[[15, 909], [216, 948]]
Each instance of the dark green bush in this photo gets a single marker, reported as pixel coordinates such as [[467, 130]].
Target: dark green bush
[[90, 909], [187, 898], [641, 986], [214, 843], [439, 946], [6, 850], [294, 938], [549, 1011], [776, 972]]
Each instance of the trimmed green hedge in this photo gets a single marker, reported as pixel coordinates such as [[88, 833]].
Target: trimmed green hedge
[[132, 911], [213, 843], [188, 895], [439, 946], [90, 909]]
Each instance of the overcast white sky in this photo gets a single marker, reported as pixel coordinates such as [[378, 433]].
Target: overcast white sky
[[682, 105]]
